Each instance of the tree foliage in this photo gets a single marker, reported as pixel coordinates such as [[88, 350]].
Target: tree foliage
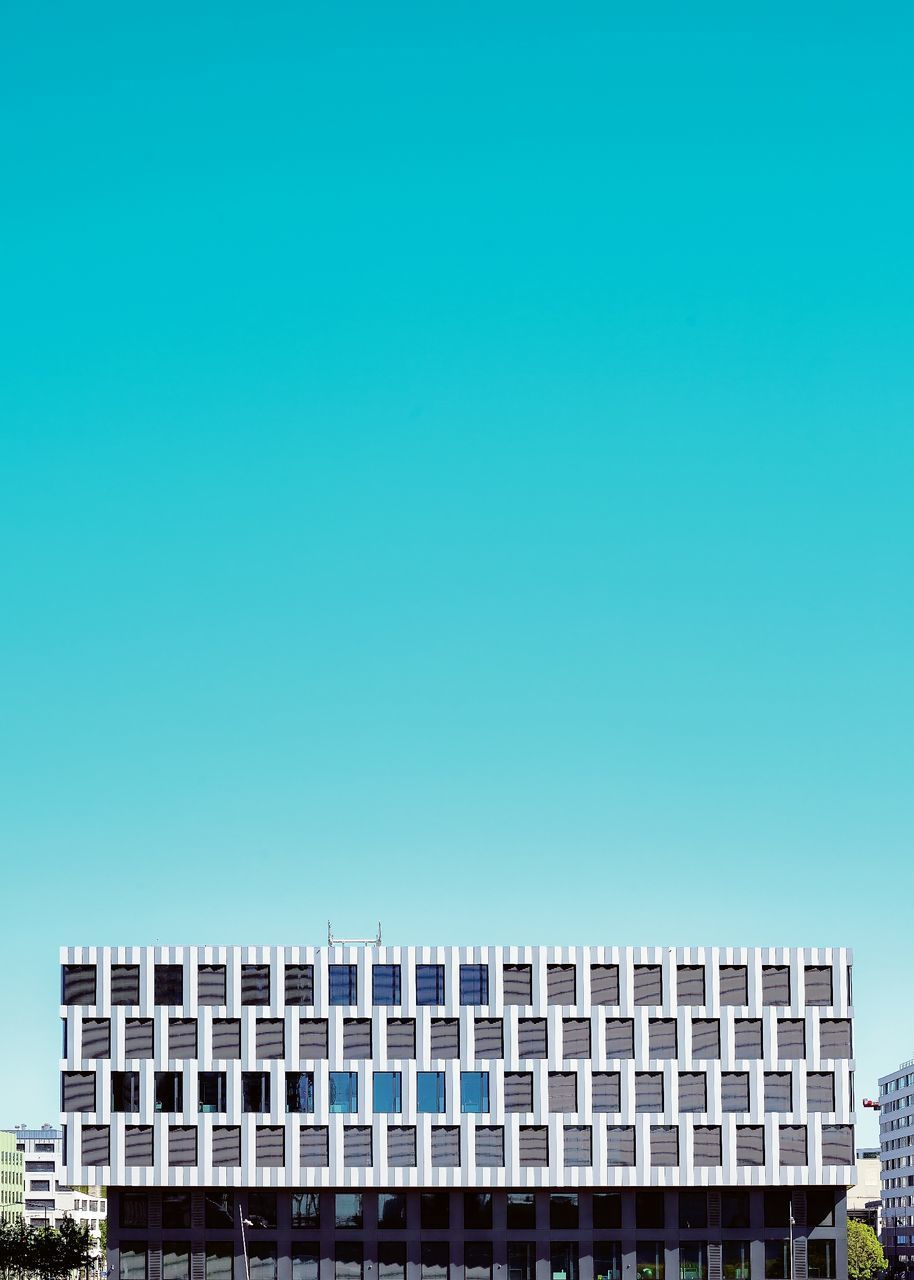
[[45, 1252], [865, 1257]]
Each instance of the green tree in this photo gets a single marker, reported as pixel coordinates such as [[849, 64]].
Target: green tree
[[865, 1258]]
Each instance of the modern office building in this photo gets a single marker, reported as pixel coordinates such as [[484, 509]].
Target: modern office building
[[463, 1113], [48, 1199], [896, 1144], [11, 1183]]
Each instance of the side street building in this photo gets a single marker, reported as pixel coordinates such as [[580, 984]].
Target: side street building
[[48, 1199], [462, 1113], [11, 1183], [896, 1143]]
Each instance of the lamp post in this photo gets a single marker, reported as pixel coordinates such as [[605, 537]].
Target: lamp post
[[245, 1222], [791, 1221]]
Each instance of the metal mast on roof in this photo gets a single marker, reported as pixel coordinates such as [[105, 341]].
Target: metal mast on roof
[[352, 942]]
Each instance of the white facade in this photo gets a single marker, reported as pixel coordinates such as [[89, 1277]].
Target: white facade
[[48, 1198], [770, 1033]]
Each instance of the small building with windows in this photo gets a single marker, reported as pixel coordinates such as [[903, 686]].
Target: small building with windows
[[47, 1197], [463, 1113], [896, 1144], [12, 1185]]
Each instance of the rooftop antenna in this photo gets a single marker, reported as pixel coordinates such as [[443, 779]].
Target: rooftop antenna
[[352, 942]]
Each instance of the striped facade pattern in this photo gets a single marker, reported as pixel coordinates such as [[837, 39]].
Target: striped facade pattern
[[801, 1043]]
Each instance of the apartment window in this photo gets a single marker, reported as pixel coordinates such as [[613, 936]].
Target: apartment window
[[563, 1091], [575, 1037], [182, 1145], [430, 1091], [835, 1038], [134, 1209], [577, 1146], [690, 984], [255, 984], [314, 1146], [344, 984], [820, 1091], [299, 1092], [445, 1038], [344, 1091], [169, 984], [226, 1146], [648, 1091], [837, 1144], [182, 1037], [521, 1260], [606, 1091], [477, 1211], [401, 1037], [563, 1260], [313, 1038], [518, 1091], [820, 1207], [517, 984], [255, 1091], [306, 1210], [211, 984], [734, 1091], [533, 1145], [648, 984], [735, 1259], [607, 1211], [488, 1038], [620, 1145], [176, 1210], [474, 984], [226, 1038], [607, 1260], [429, 984], [133, 1261], [385, 984], [434, 1210], [664, 1144], [791, 1038], [734, 1210], [734, 984], [563, 1211], [299, 984], [348, 1265], [649, 1210], [560, 984], [125, 984], [434, 1260], [125, 1091], [820, 1260], [78, 984], [391, 1260], [747, 1038], [78, 1091], [778, 1091], [356, 1037], [490, 1146], [693, 1091], [693, 1261], [401, 1146], [138, 1145], [705, 1038], [391, 1211], [620, 1038], [219, 1210], [220, 1260], [169, 1091], [750, 1144], [386, 1092], [792, 1141], [531, 1037], [604, 984], [818, 984], [348, 1210], [474, 1092], [775, 984], [693, 1210], [445, 1146], [661, 1038], [521, 1210]]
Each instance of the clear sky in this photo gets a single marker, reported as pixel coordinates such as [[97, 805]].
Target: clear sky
[[456, 469]]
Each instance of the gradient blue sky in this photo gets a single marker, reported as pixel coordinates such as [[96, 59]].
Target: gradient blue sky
[[459, 448]]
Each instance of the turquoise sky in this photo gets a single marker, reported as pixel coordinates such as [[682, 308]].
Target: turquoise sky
[[456, 469]]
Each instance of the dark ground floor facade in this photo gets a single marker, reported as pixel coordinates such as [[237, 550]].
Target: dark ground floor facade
[[599, 1234]]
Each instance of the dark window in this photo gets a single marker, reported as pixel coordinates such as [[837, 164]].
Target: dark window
[[125, 1091], [604, 984], [488, 1038], [518, 1091], [664, 1144], [255, 1091], [169, 984], [255, 984], [775, 984], [560, 984], [434, 1210], [606, 1091], [348, 1209], [392, 1211], [344, 984], [706, 1146], [314, 1146], [820, 1207], [648, 984], [270, 1146], [517, 984], [434, 1258], [182, 1145], [211, 1091], [356, 1037], [791, 1038], [649, 1210], [176, 1210], [575, 1037], [661, 1038], [385, 984], [521, 1260], [563, 1260], [705, 1038], [477, 1210], [391, 1260], [693, 1210], [270, 1038], [78, 984], [138, 1145], [96, 1144], [734, 984], [607, 1260], [747, 1038], [262, 1210], [620, 1145], [313, 1038], [125, 984], [777, 1201], [219, 1210], [477, 1260], [531, 1038], [401, 1146], [211, 984], [521, 1209], [490, 1145], [429, 984], [299, 1092], [820, 1091], [734, 1091], [226, 1038], [735, 1259], [837, 1144], [607, 1210], [133, 1209], [563, 1210], [299, 984], [690, 984], [306, 1210], [693, 1261], [563, 1091], [182, 1037], [734, 1210], [474, 984], [169, 1091], [648, 1091], [792, 1143], [818, 983], [750, 1144], [620, 1038], [835, 1038], [820, 1260], [445, 1039], [533, 1146], [348, 1264], [693, 1091], [445, 1146], [401, 1037]]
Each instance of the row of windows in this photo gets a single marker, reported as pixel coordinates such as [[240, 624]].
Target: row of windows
[[651, 1259], [445, 1144], [484, 1210], [900, 1082], [651, 1091], [703, 1037], [80, 984]]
